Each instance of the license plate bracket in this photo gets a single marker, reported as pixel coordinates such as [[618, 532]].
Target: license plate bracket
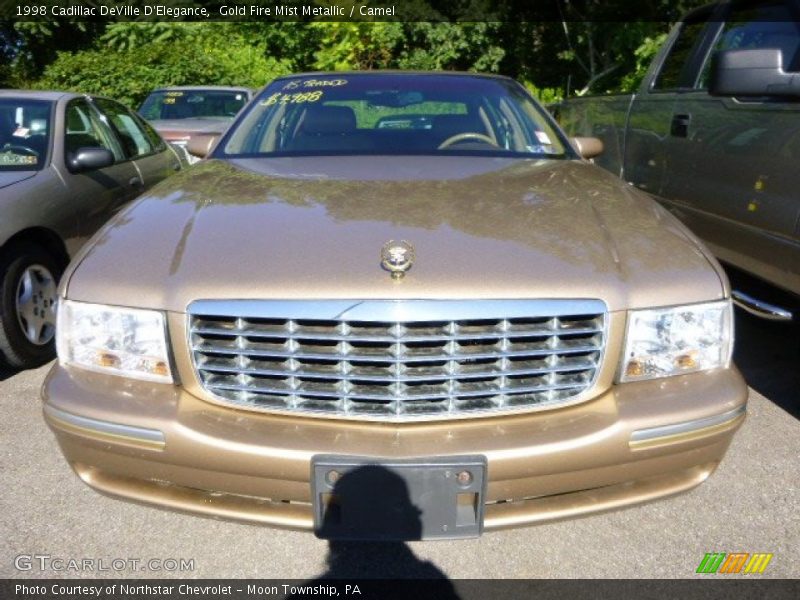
[[357, 498]]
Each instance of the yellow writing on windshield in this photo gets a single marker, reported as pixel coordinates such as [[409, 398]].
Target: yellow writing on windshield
[[299, 98], [314, 83]]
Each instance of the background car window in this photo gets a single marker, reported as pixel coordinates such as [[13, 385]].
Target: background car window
[[24, 133], [192, 104], [85, 129], [753, 25], [675, 70], [134, 138]]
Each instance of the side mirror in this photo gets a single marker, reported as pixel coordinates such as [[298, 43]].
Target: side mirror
[[201, 144], [90, 159], [588, 147], [752, 73]]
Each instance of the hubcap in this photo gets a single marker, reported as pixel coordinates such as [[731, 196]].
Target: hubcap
[[36, 300]]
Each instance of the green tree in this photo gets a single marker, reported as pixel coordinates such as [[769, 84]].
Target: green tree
[[207, 58], [644, 54], [129, 35], [28, 47], [599, 52], [417, 45], [361, 45], [576, 46], [452, 46]]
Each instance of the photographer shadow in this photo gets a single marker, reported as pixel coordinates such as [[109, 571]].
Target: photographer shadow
[[368, 517]]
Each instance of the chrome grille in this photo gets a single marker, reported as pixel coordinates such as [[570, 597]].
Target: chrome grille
[[396, 360]]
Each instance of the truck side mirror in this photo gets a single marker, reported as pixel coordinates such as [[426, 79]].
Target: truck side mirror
[[588, 147], [201, 144], [752, 73]]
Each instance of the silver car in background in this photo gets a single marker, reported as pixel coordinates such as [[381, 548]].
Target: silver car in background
[[68, 163], [179, 112]]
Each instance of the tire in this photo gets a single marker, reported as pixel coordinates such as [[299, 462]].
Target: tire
[[28, 291]]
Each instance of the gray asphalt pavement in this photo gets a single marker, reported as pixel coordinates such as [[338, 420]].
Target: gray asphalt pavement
[[749, 505]]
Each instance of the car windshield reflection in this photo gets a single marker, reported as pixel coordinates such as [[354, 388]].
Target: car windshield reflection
[[392, 113]]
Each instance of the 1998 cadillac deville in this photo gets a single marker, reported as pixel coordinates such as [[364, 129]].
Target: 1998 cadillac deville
[[394, 287]]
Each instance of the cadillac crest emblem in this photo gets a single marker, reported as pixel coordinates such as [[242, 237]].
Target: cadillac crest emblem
[[397, 257]]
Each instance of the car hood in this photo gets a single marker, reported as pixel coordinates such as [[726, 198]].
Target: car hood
[[313, 228], [178, 128], [8, 178]]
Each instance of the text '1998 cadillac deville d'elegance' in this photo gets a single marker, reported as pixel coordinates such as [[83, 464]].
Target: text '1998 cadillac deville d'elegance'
[[394, 306]]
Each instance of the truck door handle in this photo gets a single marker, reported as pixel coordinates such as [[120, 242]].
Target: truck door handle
[[680, 125], [135, 182]]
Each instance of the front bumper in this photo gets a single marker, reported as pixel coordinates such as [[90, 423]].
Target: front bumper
[[159, 444]]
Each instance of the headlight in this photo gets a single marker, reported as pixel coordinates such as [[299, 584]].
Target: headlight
[[672, 341], [122, 341]]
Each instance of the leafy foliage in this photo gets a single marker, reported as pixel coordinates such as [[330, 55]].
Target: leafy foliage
[[124, 36], [422, 45], [462, 46], [191, 58], [546, 95], [644, 54], [356, 45], [28, 47], [580, 50]]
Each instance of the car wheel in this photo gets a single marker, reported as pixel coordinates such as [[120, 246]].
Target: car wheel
[[28, 293]]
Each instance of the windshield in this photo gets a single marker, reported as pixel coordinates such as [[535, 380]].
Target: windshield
[[393, 114], [192, 104], [24, 134]]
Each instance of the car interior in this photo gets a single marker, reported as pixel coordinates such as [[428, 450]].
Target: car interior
[[331, 127], [24, 128], [328, 127]]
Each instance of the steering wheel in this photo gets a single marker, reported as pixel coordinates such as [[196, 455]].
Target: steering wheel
[[467, 135], [25, 149]]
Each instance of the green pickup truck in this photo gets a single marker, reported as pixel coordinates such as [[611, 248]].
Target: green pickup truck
[[714, 134]]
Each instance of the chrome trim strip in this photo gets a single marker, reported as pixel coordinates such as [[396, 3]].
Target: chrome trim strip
[[395, 310], [130, 433], [401, 378], [759, 308], [653, 433], [542, 333], [388, 397], [383, 359]]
